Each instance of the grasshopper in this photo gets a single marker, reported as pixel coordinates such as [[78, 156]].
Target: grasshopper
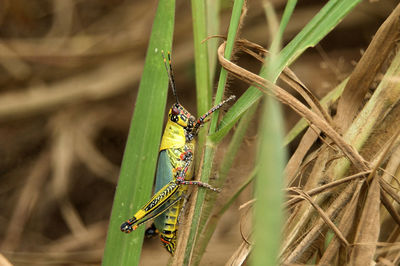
[[174, 171]]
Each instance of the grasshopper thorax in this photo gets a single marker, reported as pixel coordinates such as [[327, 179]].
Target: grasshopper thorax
[[179, 115]]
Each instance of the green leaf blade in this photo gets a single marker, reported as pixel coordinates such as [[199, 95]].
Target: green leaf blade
[[140, 156], [269, 186]]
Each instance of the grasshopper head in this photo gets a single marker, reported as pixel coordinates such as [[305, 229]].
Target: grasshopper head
[[179, 115]]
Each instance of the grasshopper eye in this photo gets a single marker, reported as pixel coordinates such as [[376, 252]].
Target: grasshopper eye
[[175, 110]]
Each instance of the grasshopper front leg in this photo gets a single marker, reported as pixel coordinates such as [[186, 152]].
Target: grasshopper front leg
[[180, 179]]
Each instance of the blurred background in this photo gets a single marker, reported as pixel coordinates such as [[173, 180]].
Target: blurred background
[[69, 73]]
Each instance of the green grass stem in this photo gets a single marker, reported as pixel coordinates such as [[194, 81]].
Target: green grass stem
[[209, 152]]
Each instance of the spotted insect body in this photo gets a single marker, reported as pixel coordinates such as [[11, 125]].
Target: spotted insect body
[[174, 172]]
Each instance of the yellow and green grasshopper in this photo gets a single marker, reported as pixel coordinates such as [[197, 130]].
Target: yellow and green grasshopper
[[174, 171]]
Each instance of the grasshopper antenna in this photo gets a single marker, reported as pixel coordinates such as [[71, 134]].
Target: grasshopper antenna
[[170, 73]]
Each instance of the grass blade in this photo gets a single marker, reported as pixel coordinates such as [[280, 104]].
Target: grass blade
[[189, 233], [213, 25], [199, 219], [269, 186], [140, 157], [203, 85]]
